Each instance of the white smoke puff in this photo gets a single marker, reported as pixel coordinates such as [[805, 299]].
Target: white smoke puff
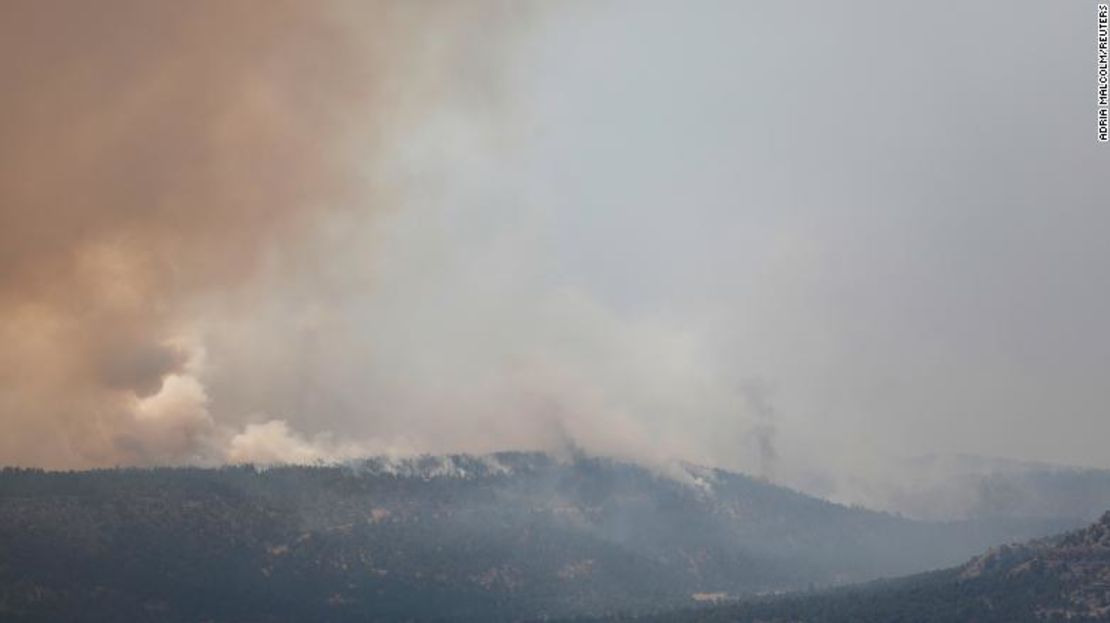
[[173, 424], [275, 442]]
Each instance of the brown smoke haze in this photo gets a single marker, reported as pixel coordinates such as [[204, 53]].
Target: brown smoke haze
[[155, 156], [715, 232]]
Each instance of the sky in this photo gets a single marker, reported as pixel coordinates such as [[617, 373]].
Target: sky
[[796, 239]]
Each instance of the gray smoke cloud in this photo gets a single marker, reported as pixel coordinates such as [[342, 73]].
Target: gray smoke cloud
[[309, 233], [757, 396]]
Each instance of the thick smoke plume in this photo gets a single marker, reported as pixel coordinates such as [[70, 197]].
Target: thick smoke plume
[[286, 231], [299, 231], [155, 157]]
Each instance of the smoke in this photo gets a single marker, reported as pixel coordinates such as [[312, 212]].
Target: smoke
[[757, 396], [286, 231], [299, 231], [157, 157]]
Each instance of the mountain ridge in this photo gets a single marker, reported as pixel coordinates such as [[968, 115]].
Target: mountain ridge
[[490, 537], [1064, 577]]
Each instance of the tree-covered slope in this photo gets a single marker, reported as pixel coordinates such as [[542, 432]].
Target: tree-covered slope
[[1058, 579], [504, 536]]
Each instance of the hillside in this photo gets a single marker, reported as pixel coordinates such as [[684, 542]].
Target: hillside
[[1065, 578], [504, 536]]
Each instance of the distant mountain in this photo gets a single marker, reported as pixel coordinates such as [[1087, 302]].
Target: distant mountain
[[499, 537], [960, 486], [1065, 578]]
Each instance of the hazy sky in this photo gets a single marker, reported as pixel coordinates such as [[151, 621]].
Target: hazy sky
[[790, 238], [892, 213]]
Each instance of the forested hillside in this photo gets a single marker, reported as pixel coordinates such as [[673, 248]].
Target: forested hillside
[[1057, 579], [481, 538]]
